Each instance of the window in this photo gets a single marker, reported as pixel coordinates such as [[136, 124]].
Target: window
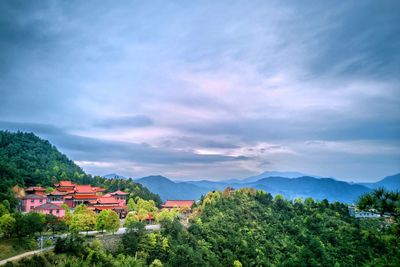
[[31, 207], [41, 200], [51, 211], [58, 211], [32, 200]]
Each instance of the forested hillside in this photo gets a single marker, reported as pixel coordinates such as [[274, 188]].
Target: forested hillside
[[26, 159], [243, 228]]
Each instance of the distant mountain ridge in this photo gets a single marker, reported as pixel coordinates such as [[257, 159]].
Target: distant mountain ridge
[[290, 187]]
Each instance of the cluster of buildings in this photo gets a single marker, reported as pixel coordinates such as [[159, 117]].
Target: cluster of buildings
[[73, 195]]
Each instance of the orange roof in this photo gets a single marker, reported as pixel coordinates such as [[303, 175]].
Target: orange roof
[[107, 200], [107, 207], [56, 193], [178, 203], [85, 196], [119, 192], [84, 189]]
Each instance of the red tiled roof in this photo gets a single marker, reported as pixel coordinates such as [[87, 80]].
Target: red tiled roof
[[107, 207], [32, 196], [107, 195], [48, 206], [119, 192], [84, 189], [178, 203], [56, 193], [85, 196], [107, 200]]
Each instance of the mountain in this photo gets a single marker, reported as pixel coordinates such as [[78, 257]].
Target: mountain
[[168, 189], [305, 186], [390, 182], [113, 176], [266, 175], [317, 188], [27, 160]]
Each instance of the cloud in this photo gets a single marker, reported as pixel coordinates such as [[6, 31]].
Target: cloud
[[204, 89], [125, 122]]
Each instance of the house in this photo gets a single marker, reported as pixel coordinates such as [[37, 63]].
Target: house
[[185, 205], [31, 201], [65, 186], [50, 208]]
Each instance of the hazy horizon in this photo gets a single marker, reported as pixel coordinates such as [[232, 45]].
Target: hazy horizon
[[210, 90]]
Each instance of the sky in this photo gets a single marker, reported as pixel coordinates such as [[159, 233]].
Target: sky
[[207, 89]]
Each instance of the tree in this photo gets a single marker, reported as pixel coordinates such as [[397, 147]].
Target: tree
[[3, 210], [108, 220], [83, 219], [132, 206], [165, 214], [7, 224], [132, 217], [156, 263], [132, 237]]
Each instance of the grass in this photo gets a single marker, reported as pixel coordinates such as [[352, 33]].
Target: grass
[[15, 246]]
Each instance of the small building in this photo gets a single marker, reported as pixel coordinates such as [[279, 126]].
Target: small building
[[121, 196], [50, 208], [29, 202], [178, 204], [366, 214], [65, 186]]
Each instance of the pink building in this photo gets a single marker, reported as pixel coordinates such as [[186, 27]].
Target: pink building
[[50, 208], [29, 202]]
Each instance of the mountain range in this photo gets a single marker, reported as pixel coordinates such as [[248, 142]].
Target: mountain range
[[289, 184]]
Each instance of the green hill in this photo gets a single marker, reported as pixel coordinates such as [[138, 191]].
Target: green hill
[[26, 160]]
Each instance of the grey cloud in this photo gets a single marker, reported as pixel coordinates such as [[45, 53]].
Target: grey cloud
[[92, 149], [125, 122]]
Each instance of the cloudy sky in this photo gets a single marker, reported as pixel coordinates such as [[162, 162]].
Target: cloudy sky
[[207, 90]]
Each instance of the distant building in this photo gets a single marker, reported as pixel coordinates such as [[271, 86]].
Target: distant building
[[178, 204], [362, 214], [73, 195]]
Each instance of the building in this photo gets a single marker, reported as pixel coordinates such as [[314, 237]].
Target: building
[[31, 201], [178, 204], [50, 208], [73, 195]]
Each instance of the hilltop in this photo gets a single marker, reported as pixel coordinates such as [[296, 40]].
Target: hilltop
[[27, 160]]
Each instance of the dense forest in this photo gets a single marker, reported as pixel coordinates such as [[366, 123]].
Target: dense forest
[[242, 228], [27, 160]]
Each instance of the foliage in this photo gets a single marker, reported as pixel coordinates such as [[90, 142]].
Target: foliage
[[83, 219], [132, 217], [107, 220], [381, 200], [166, 214], [7, 225]]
